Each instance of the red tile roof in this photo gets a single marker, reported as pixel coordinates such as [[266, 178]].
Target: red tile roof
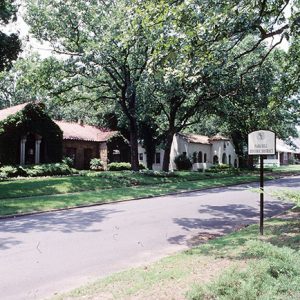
[[219, 137], [4, 113], [71, 131], [195, 138], [202, 139], [75, 131]]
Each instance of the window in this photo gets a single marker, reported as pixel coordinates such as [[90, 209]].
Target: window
[[229, 159], [194, 157], [224, 145], [141, 156], [205, 158], [157, 157], [200, 159], [215, 160], [184, 153], [224, 158]]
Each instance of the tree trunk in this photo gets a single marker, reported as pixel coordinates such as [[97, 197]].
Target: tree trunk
[[150, 151], [134, 145], [166, 161]]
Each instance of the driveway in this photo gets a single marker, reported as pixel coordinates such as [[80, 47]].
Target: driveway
[[53, 252]]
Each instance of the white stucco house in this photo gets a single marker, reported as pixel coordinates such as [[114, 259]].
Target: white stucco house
[[204, 151], [285, 154]]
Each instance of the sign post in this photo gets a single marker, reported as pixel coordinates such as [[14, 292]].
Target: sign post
[[261, 142], [261, 193]]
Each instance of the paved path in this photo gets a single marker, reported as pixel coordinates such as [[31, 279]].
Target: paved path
[[53, 252]]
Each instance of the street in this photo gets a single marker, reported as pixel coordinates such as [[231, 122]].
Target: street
[[44, 254]]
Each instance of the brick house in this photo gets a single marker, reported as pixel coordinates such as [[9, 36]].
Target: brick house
[[78, 141], [84, 142]]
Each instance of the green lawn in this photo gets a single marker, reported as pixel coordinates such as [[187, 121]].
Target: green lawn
[[17, 205], [104, 180], [42, 194], [239, 266]]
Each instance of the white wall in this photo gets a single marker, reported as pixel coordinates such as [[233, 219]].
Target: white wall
[[155, 166], [180, 145], [142, 150], [218, 149]]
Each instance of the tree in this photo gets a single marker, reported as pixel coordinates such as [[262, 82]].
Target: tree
[[187, 48], [10, 45], [204, 57], [106, 47], [264, 101]]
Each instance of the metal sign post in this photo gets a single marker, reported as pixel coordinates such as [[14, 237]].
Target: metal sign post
[[261, 191], [261, 142]]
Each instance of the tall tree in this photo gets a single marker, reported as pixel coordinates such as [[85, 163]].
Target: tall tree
[[106, 48], [204, 54]]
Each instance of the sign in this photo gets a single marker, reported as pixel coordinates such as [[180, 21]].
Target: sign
[[261, 142]]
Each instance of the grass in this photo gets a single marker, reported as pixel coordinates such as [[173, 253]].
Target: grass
[[239, 266], [98, 181], [20, 205], [43, 194]]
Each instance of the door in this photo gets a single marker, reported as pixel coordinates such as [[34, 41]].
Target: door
[[88, 153]]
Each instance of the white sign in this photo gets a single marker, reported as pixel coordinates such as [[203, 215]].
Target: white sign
[[261, 142]]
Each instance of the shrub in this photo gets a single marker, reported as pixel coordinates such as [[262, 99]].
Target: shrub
[[142, 167], [182, 162], [48, 170], [36, 170], [8, 171], [68, 161], [223, 168], [152, 173], [96, 164], [122, 166]]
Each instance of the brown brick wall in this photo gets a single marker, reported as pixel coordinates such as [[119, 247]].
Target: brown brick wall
[[84, 151]]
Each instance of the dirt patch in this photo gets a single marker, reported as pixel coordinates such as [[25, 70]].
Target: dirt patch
[[290, 214], [176, 289]]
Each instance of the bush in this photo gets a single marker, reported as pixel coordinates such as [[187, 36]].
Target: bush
[[223, 168], [9, 171], [152, 173], [96, 164], [182, 162], [142, 167], [36, 170], [68, 161], [122, 166]]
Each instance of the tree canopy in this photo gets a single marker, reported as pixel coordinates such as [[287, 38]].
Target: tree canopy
[[161, 66], [10, 45]]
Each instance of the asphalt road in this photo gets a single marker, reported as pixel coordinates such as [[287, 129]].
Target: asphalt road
[[53, 252]]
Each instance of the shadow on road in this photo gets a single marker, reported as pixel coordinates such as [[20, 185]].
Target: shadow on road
[[6, 243], [75, 220], [216, 220]]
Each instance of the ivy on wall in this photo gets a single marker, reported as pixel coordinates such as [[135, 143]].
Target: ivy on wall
[[32, 119], [118, 142]]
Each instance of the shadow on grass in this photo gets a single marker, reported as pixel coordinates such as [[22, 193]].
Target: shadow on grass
[[287, 182], [215, 221], [279, 232]]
